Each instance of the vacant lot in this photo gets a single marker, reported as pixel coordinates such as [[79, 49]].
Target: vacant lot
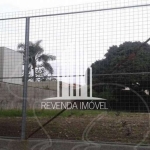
[[81, 125]]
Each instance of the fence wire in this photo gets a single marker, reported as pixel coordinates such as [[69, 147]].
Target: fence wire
[[110, 37]]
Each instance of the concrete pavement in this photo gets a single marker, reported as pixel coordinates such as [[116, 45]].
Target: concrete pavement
[[7, 144]]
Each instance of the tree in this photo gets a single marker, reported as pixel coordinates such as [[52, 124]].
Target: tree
[[130, 57], [37, 58], [134, 64]]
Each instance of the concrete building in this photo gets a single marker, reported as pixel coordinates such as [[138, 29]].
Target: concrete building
[[10, 66]]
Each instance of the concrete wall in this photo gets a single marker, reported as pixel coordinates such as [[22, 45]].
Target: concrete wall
[[11, 96], [1, 62], [10, 65], [52, 85]]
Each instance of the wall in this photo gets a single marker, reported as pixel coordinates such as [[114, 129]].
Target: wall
[[52, 85], [1, 62], [11, 65], [11, 96]]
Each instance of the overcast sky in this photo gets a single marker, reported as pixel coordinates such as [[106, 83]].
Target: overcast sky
[[25, 5], [21, 5]]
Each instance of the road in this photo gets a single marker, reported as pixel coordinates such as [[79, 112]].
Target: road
[[7, 144]]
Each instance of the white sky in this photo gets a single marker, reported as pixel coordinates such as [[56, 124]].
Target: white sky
[[76, 40], [22, 5]]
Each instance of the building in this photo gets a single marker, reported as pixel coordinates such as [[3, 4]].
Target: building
[[10, 66]]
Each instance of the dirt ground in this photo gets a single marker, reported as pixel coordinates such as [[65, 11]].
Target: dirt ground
[[133, 128]]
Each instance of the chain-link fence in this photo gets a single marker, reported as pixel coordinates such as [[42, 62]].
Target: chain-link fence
[[39, 48]]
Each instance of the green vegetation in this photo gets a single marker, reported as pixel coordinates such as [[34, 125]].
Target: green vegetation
[[67, 113], [129, 57], [47, 113], [38, 61]]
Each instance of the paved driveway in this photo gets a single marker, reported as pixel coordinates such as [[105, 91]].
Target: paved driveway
[[6, 144]]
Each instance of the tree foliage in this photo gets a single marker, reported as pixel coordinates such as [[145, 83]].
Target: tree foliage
[[38, 61], [127, 65], [122, 59]]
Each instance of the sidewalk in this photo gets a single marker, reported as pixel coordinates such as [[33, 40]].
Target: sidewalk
[[6, 144]]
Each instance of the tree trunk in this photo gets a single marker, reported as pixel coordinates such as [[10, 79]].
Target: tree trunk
[[34, 77], [34, 66]]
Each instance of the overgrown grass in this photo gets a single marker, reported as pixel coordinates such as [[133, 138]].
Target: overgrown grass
[[47, 113], [50, 113]]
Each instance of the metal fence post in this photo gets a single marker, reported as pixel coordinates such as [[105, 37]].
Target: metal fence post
[[25, 83]]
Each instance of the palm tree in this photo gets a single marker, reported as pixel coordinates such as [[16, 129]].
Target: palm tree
[[36, 55]]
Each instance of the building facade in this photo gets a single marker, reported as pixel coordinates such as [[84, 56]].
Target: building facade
[[10, 66]]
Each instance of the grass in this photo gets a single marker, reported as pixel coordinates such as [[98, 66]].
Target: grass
[[47, 113], [50, 113]]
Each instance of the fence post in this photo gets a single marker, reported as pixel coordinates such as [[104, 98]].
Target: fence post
[[25, 83]]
